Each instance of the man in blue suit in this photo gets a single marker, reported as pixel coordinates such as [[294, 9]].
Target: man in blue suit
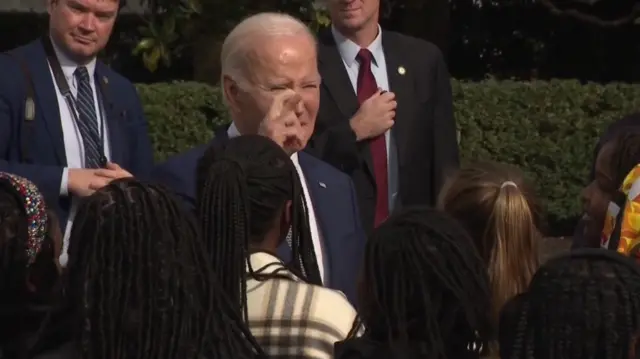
[[274, 91], [67, 122]]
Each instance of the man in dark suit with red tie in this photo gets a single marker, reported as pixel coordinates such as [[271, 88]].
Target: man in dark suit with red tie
[[386, 114]]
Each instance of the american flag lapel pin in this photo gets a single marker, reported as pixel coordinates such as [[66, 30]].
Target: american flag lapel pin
[[322, 184]]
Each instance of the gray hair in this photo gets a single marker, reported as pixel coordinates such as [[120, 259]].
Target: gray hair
[[242, 39]]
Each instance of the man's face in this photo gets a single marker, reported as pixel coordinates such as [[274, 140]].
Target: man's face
[[278, 64], [82, 27], [353, 15]]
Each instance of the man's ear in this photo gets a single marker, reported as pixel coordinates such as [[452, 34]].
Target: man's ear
[[50, 5], [231, 93]]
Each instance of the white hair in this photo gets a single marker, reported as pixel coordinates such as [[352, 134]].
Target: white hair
[[242, 39]]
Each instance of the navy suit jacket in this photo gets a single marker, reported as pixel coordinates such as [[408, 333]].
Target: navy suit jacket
[[130, 144], [334, 199]]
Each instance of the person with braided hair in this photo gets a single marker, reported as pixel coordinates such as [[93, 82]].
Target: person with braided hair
[[585, 304], [271, 87], [139, 283], [250, 204], [500, 211], [30, 243], [424, 292], [615, 160]]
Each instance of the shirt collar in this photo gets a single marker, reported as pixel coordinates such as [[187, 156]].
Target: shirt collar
[[349, 49], [269, 263], [262, 259], [233, 132], [69, 66]]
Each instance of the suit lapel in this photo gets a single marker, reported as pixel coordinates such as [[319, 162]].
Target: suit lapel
[[112, 117], [399, 74], [337, 82], [334, 75], [322, 204], [47, 97]]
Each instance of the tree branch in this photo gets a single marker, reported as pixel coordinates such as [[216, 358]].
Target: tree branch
[[590, 19]]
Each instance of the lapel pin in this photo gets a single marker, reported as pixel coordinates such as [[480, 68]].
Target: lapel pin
[[402, 70], [105, 80], [322, 184]]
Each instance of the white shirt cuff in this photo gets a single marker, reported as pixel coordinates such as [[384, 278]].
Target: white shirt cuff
[[64, 183]]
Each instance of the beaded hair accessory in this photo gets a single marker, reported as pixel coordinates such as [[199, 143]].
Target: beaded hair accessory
[[35, 209]]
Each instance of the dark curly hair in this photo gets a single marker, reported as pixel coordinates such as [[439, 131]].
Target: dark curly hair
[[582, 305], [18, 319]]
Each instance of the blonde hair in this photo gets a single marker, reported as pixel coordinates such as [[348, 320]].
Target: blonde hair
[[498, 208]]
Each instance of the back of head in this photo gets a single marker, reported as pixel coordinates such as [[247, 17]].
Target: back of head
[[424, 283], [138, 276], [13, 242], [24, 236], [244, 185], [235, 56], [28, 270], [498, 208], [624, 155], [582, 305]]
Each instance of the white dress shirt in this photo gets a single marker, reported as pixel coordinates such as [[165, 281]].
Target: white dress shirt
[[313, 223], [349, 52], [73, 145]]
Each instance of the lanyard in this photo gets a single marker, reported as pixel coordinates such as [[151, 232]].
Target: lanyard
[[61, 81]]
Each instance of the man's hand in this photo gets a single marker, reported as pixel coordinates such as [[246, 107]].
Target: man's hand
[[112, 172], [375, 116], [281, 124], [83, 182]]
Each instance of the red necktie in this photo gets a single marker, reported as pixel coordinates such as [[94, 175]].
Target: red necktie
[[366, 88]]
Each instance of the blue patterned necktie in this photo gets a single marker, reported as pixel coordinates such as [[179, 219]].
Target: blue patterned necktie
[[88, 124]]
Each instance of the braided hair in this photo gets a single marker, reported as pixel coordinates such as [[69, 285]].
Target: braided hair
[[424, 282], [582, 305], [17, 318], [142, 284], [243, 185]]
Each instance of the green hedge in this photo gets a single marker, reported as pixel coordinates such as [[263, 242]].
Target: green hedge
[[548, 129]]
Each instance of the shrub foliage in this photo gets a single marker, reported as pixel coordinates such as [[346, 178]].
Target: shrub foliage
[[548, 129]]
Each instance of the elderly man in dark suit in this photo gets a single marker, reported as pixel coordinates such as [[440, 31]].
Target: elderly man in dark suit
[[68, 123], [271, 85], [386, 114]]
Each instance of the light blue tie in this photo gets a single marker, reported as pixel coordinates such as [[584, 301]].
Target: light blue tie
[[88, 123]]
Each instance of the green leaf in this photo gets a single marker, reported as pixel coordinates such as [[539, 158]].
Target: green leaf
[[322, 19], [152, 58], [143, 45], [169, 26]]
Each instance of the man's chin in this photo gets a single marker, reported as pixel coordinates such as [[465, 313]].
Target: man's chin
[[81, 54]]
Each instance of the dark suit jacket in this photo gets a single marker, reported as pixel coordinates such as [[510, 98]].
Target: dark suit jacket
[[335, 207], [425, 130], [130, 143]]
